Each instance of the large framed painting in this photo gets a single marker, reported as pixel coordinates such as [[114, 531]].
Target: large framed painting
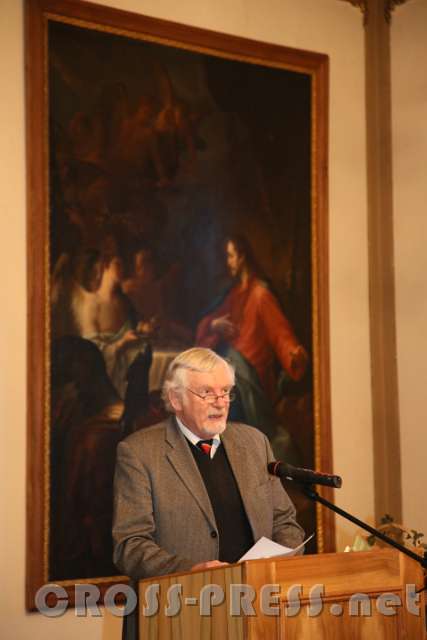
[[177, 196]]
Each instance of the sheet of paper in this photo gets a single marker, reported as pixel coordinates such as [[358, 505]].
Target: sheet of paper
[[266, 548]]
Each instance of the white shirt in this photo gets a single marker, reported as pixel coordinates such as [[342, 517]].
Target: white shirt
[[216, 441]]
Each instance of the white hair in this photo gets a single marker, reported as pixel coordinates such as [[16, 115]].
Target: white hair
[[196, 359]]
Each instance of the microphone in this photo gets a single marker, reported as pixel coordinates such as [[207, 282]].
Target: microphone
[[304, 476]]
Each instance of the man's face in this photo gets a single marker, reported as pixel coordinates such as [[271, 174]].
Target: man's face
[[234, 260], [203, 418]]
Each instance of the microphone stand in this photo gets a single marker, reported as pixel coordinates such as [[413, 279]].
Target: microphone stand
[[311, 493]]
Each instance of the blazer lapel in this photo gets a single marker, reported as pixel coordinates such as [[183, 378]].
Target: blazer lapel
[[240, 455], [182, 460]]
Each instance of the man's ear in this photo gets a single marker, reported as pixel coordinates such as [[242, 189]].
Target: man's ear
[[175, 399]]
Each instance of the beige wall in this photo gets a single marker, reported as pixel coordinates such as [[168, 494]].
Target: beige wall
[[409, 94], [326, 26]]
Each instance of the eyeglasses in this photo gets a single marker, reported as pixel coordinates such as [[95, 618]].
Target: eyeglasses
[[210, 398]]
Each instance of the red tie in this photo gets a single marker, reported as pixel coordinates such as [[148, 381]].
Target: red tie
[[205, 446]]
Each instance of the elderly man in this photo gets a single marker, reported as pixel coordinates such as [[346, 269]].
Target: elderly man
[[193, 492]]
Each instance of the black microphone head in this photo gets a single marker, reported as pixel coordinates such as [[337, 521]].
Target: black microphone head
[[303, 476], [277, 468]]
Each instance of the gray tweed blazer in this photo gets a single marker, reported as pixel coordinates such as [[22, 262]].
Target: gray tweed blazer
[[163, 520]]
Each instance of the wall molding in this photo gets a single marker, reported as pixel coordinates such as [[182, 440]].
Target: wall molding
[[382, 312], [389, 7], [362, 5], [383, 342]]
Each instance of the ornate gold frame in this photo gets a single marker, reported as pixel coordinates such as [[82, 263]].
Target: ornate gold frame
[[38, 14]]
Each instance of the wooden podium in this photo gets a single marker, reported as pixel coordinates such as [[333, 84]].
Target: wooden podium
[[360, 600]]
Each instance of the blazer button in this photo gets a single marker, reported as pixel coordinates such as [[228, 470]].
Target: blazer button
[[214, 534]]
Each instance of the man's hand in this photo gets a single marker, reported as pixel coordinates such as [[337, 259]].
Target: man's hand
[[148, 327], [129, 337], [299, 360], [208, 565], [224, 327]]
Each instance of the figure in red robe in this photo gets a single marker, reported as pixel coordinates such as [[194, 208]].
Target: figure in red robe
[[250, 328]]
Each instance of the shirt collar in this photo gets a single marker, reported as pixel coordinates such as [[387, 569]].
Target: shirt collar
[[216, 441]]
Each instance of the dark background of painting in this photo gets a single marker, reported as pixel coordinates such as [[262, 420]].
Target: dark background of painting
[[232, 153]]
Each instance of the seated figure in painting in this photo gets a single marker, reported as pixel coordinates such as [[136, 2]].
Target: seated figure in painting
[[250, 329], [85, 431], [75, 281], [149, 295], [112, 324], [88, 301]]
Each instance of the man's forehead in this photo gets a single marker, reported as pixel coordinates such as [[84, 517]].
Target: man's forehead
[[220, 375]]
